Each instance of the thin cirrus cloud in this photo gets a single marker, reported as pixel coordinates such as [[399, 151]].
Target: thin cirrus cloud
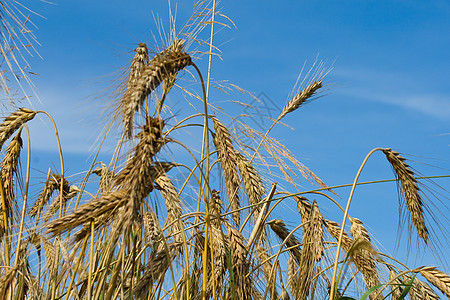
[[394, 88]]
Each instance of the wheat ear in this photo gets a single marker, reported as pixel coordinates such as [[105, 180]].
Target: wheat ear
[[420, 290], [365, 265], [437, 278], [13, 122], [8, 170], [267, 269], [253, 185], [312, 251], [52, 184], [152, 231], [228, 162], [173, 204], [300, 98], [159, 68], [280, 229], [240, 266], [410, 190]]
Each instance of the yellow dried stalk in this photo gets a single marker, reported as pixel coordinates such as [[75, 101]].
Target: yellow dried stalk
[[267, 270], [228, 162], [408, 184]]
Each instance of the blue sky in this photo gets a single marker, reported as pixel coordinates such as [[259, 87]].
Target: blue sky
[[388, 87]]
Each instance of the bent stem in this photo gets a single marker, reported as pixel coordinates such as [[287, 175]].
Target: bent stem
[[336, 258]]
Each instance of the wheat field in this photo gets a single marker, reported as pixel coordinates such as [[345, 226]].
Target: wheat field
[[188, 206]]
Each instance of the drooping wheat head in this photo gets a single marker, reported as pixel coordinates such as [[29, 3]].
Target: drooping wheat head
[[13, 122], [411, 191], [162, 66], [420, 290], [364, 264], [53, 184], [280, 229]]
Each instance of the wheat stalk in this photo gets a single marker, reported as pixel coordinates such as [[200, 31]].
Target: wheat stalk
[[267, 269]]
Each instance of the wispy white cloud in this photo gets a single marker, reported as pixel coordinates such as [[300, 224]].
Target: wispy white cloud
[[395, 88]]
